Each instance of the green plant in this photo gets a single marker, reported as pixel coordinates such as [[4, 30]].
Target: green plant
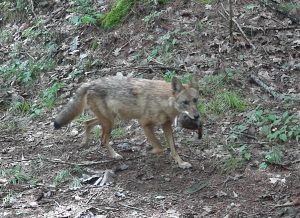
[[153, 16], [7, 199], [117, 13], [274, 126], [288, 7], [202, 109], [16, 175], [241, 151], [233, 163], [273, 157], [118, 132], [15, 10], [26, 71], [5, 36], [244, 152], [21, 107], [61, 176], [250, 7], [186, 78], [168, 76], [49, 95], [200, 26], [83, 117], [222, 102], [211, 84], [85, 13], [77, 169], [75, 184], [163, 50], [206, 2], [155, 2], [37, 29], [234, 101], [96, 132]]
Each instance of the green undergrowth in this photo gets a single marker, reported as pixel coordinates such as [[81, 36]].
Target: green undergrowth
[[118, 13], [274, 128], [26, 71], [84, 12], [17, 175], [15, 10]]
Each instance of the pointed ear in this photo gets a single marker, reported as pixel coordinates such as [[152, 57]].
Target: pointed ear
[[176, 85], [194, 84]]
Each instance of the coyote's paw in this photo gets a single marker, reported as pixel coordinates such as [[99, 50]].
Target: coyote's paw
[[156, 150], [116, 156], [185, 165]]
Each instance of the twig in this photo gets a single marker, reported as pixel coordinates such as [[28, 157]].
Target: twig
[[77, 164], [252, 29], [243, 33], [1, 118], [230, 21], [239, 27], [32, 7], [259, 143], [149, 67], [245, 134], [157, 66], [131, 207], [88, 201], [296, 161]]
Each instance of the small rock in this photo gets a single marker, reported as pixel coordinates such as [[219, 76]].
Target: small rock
[[120, 195], [160, 197], [167, 179], [121, 167], [74, 132]]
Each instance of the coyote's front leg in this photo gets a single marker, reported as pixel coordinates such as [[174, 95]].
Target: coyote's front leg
[[167, 128]]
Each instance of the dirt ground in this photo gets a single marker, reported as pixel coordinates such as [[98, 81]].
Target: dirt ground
[[143, 184]]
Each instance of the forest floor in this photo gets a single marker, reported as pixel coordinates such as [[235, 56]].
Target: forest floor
[[246, 165]]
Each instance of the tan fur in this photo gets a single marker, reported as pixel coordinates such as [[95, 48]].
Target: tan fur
[[151, 102]]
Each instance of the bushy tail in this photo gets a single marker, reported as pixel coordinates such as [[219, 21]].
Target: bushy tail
[[73, 108]]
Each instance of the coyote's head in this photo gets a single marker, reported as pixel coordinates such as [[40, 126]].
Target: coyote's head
[[186, 98]]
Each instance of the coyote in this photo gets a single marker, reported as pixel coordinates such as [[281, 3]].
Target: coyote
[[151, 102]]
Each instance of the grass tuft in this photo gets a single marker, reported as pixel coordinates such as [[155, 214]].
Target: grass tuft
[[117, 13]]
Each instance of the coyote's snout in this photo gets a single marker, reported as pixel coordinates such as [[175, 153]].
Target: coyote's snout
[[151, 102]]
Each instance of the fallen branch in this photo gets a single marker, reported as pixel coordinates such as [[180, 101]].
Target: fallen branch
[[89, 163], [90, 198], [131, 207], [254, 29], [296, 161], [269, 89], [150, 67], [288, 204]]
